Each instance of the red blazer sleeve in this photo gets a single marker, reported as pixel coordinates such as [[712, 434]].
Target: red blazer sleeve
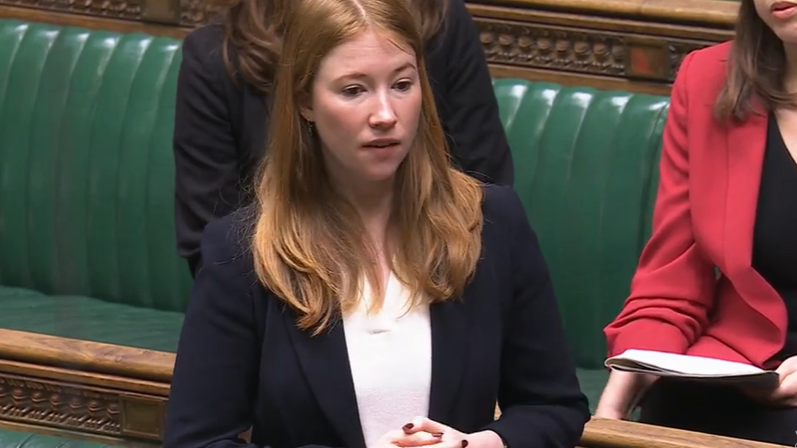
[[673, 287]]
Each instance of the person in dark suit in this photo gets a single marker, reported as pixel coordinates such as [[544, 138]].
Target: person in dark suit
[[372, 296], [726, 201], [222, 107]]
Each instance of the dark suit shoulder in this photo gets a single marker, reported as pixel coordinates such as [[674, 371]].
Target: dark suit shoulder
[[228, 239], [206, 40], [501, 205], [203, 55]]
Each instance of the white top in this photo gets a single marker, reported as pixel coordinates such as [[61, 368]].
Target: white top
[[390, 353]]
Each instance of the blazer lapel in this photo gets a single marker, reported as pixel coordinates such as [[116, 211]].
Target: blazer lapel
[[325, 362], [449, 351], [745, 151]]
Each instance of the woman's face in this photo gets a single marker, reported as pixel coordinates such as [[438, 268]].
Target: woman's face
[[365, 106], [780, 16]]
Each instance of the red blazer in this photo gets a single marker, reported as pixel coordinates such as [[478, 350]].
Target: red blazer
[[704, 217]]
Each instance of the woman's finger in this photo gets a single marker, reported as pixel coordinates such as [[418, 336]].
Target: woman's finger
[[787, 389], [424, 424], [418, 439]]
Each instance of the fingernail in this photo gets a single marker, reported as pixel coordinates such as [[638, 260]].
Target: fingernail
[[408, 426], [437, 434], [464, 443]]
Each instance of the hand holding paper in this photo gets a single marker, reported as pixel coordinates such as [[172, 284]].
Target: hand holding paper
[[694, 367]]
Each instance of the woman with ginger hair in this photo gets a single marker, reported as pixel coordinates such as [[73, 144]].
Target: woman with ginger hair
[[372, 296], [224, 98]]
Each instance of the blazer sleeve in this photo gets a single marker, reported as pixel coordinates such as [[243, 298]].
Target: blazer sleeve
[[541, 402], [214, 384], [672, 290], [476, 133], [205, 151]]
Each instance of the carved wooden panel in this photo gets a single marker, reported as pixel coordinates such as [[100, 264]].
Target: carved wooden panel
[[629, 44], [81, 408], [583, 51], [116, 9], [197, 12], [552, 48]]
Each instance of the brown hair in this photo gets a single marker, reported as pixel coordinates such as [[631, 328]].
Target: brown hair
[[756, 66], [254, 29], [307, 241]]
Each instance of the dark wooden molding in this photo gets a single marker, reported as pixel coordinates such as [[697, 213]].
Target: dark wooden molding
[[80, 408], [616, 44], [633, 45], [102, 390]]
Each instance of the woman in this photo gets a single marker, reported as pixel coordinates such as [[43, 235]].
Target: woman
[[726, 199], [224, 85], [372, 296]]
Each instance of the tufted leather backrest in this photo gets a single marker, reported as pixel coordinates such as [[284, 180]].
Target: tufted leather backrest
[[586, 164], [86, 166]]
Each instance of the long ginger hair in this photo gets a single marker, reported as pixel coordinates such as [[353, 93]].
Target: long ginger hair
[[308, 243], [253, 29]]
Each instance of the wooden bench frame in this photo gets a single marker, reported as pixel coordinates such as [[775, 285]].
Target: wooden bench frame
[[103, 392], [118, 395]]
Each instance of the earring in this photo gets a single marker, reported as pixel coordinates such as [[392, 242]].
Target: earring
[[310, 126]]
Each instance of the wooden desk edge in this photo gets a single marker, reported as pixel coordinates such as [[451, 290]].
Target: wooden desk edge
[[95, 357]]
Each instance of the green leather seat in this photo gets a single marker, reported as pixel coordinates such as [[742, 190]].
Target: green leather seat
[[86, 185], [586, 164], [16, 439]]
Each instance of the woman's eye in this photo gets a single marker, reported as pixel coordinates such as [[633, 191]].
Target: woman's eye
[[352, 91], [403, 85]]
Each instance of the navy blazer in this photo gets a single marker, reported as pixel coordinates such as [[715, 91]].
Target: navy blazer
[[242, 361]]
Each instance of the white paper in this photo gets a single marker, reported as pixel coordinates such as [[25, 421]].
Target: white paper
[[690, 367]]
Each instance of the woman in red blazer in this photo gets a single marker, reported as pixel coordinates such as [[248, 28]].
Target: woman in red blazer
[[718, 277]]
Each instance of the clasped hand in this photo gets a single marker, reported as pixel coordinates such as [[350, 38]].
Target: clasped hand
[[423, 432], [785, 394]]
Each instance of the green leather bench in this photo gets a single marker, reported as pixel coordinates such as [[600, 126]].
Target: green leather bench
[[86, 187], [586, 164], [16, 439]]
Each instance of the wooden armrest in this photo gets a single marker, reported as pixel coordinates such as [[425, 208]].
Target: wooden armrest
[[103, 392], [604, 433], [86, 356]]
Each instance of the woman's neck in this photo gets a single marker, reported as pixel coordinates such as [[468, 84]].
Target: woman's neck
[[790, 77], [373, 202]]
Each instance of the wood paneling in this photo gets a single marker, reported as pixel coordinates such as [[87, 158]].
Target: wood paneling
[[101, 390], [611, 44]]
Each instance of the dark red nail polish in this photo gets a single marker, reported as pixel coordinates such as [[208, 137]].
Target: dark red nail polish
[[464, 443], [437, 434], [408, 426]]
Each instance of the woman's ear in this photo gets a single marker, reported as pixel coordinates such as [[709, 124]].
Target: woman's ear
[[306, 107]]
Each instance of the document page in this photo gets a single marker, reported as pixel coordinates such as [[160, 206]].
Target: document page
[[691, 367]]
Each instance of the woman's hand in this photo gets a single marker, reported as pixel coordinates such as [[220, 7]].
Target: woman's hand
[[399, 438], [785, 394], [422, 431], [622, 392]]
